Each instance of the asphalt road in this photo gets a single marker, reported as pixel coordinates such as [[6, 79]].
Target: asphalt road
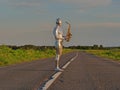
[[86, 72], [28, 76]]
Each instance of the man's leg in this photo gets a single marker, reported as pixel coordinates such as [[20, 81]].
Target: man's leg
[[60, 50], [57, 58], [58, 55]]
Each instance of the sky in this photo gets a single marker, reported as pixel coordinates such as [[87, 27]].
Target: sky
[[32, 21]]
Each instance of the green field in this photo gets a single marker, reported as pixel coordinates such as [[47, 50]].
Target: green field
[[10, 56], [112, 54]]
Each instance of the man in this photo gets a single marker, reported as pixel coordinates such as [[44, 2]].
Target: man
[[58, 34]]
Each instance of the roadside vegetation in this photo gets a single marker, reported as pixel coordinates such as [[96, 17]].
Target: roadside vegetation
[[12, 54], [99, 50], [112, 53], [18, 54]]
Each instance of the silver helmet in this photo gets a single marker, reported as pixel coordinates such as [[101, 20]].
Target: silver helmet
[[58, 21]]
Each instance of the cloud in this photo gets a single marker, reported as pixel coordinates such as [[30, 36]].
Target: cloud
[[18, 2], [25, 3], [115, 2], [3, 1], [105, 24], [108, 15], [110, 24], [82, 6], [79, 3], [87, 3]]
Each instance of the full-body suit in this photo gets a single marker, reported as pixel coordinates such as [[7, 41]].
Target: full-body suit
[[58, 34]]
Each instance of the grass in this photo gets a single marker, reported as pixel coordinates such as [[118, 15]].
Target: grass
[[112, 54], [9, 56]]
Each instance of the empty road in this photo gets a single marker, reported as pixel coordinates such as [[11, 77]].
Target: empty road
[[88, 72], [85, 72], [28, 76]]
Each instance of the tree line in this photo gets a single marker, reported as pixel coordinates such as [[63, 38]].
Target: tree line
[[94, 47]]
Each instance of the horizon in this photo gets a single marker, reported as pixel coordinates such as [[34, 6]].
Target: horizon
[[63, 45], [24, 22]]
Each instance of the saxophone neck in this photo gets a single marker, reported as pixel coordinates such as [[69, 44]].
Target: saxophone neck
[[67, 23], [69, 26]]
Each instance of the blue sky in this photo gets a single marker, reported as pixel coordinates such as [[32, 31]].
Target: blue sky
[[32, 21]]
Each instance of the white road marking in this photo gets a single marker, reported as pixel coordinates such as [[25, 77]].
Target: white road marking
[[69, 61], [56, 75]]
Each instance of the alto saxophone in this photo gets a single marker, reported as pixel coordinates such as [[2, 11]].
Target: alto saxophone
[[68, 34]]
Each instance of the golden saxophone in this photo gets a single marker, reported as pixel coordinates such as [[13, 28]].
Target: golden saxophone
[[68, 34]]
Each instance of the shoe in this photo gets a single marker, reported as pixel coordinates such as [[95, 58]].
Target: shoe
[[59, 70]]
